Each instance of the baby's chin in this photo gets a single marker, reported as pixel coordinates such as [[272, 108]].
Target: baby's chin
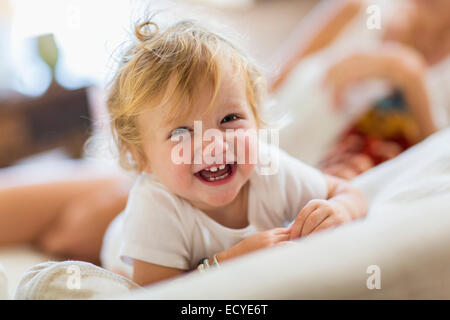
[[215, 200], [220, 199]]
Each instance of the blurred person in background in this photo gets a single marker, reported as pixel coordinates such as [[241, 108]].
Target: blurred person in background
[[412, 58], [410, 55]]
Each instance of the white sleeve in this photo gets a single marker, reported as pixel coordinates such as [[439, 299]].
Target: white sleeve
[[301, 183], [153, 230], [292, 186]]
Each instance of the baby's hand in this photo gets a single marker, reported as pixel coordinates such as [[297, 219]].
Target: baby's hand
[[266, 239], [318, 215]]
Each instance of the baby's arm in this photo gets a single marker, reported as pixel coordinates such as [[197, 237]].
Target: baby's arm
[[262, 240], [317, 31], [145, 273], [344, 203], [401, 27]]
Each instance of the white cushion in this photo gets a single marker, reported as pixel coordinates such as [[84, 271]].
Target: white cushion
[[70, 280], [3, 284]]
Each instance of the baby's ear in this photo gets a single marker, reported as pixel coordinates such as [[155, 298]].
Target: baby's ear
[[140, 159]]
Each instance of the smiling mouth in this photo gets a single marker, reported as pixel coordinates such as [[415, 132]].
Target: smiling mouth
[[217, 174]]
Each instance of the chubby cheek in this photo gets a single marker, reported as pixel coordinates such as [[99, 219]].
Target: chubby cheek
[[177, 177], [244, 171], [246, 152], [246, 157]]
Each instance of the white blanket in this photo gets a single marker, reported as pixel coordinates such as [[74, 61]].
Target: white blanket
[[422, 173]]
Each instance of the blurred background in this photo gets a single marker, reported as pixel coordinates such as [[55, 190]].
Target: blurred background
[[57, 55]]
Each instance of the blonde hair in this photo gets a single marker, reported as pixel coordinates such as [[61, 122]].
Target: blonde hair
[[173, 61]]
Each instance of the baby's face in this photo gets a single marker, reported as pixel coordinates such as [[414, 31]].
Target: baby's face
[[205, 185]]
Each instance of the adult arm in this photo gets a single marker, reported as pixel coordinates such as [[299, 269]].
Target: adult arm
[[314, 33]]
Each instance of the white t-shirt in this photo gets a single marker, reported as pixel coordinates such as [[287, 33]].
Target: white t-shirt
[[162, 228]]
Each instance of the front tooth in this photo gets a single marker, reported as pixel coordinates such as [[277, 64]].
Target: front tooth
[[222, 167], [222, 176], [213, 169]]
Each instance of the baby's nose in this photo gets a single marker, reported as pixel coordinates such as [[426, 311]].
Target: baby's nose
[[216, 149]]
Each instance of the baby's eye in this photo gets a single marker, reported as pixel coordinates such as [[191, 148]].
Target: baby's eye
[[179, 131], [230, 117]]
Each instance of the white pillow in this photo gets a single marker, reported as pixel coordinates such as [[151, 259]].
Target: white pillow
[[3, 284], [70, 280]]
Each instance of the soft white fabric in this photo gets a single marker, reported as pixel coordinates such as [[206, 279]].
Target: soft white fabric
[[162, 228], [3, 284], [70, 280], [16, 260], [110, 252], [420, 172]]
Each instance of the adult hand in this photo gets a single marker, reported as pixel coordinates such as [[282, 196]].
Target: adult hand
[[395, 63]]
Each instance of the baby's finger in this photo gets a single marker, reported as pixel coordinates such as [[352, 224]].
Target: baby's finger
[[314, 220], [282, 237], [282, 230], [296, 228]]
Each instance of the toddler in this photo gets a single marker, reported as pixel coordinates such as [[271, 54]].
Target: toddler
[[180, 213]]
